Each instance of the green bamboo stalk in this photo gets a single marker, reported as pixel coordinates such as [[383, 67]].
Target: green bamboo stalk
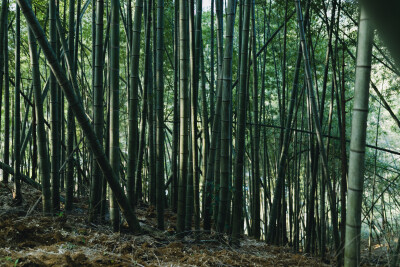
[[6, 92], [184, 126], [256, 230], [3, 30], [114, 107], [175, 131], [241, 128], [98, 113], [17, 196], [69, 180], [208, 183], [55, 144], [225, 116], [160, 193], [133, 100], [194, 104], [358, 139], [44, 170]]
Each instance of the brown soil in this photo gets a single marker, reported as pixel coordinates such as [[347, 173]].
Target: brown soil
[[69, 240]]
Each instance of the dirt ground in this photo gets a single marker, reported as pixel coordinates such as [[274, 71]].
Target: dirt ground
[[29, 239]]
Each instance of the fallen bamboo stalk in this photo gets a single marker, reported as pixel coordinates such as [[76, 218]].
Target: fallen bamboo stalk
[[24, 178]]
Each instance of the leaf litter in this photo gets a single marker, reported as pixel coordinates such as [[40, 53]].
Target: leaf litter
[[69, 240]]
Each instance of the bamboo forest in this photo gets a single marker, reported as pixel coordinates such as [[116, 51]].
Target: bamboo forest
[[199, 133]]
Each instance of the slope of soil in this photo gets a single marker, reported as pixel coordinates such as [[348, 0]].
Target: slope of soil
[[69, 240]]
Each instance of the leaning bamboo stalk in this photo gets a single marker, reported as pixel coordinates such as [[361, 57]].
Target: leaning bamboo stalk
[[79, 112], [9, 170]]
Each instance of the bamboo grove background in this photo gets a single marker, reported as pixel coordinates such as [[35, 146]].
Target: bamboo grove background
[[236, 116]]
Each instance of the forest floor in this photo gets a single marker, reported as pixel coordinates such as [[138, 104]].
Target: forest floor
[[29, 239]]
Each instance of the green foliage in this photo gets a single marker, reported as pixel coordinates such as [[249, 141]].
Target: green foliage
[[68, 246], [8, 259]]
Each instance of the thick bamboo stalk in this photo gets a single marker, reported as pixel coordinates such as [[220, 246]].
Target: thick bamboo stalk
[[134, 100], [225, 116], [184, 122], [358, 140], [241, 128]]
